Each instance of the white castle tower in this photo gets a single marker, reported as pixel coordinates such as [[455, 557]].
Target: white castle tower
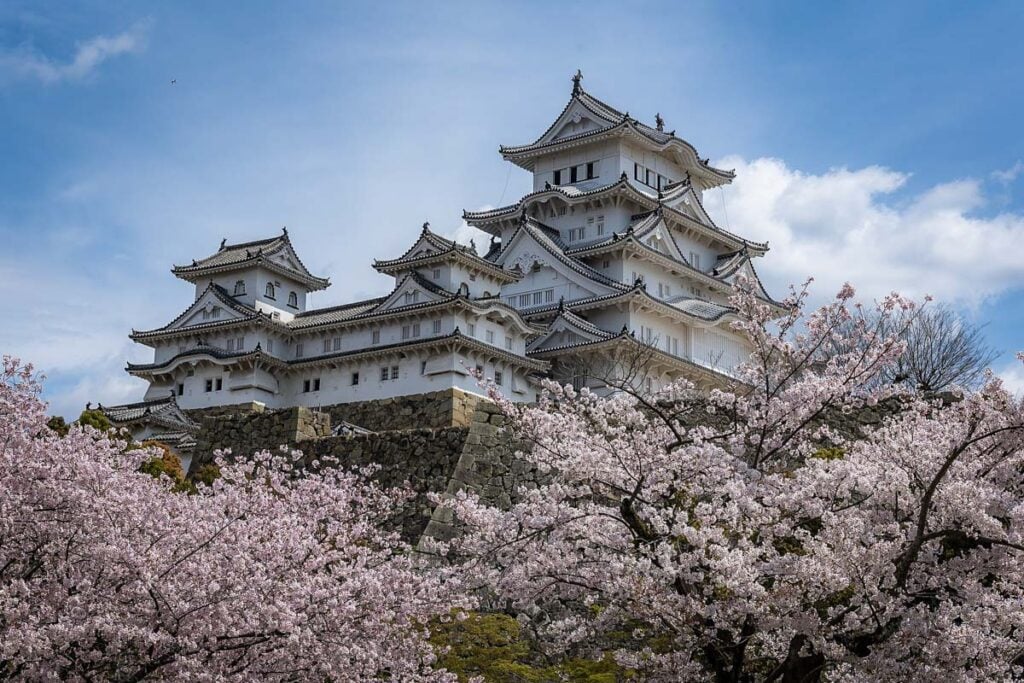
[[612, 255]]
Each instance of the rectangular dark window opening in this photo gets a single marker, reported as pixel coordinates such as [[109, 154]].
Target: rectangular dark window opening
[[355, 378], [572, 174], [558, 178]]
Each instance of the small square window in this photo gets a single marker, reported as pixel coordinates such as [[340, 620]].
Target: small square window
[[384, 374], [394, 372], [472, 277]]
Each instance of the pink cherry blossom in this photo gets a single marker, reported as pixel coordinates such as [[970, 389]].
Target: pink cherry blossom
[[778, 537], [108, 574]]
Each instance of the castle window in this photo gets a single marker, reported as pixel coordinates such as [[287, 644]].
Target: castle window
[[181, 389], [355, 378], [270, 290], [508, 343], [405, 331], [316, 384], [299, 349], [524, 299], [219, 383], [572, 174], [636, 171], [537, 296], [240, 343], [231, 344], [270, 346], [216, 312], [591, 170], [472, 329], [695, 260], [209, 385], [600, 225], [293, 299], [549, 295], [376, 336], [383, 373], [239, 287], [480, 370], [489, 334], [415, 329], [423, 367], [337, 343], [557, 177], [437, 273], [498, 377], [394, 372], [472, 277], [561, 211], [305, 386], [327, 345], [437, 327]]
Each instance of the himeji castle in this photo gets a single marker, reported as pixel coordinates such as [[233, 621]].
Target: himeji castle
[[611, 254]]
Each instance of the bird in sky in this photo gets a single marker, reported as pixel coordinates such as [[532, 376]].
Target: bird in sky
[[173, 81]]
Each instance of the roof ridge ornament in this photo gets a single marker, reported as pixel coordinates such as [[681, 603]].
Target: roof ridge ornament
[[576, 87], [659, 122], [284, 230], [426, 227], [223, 243]]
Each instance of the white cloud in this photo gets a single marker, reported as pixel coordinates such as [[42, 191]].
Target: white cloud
[[1009, 175], [1013, 377], [27, 65], [465, 232], [847, 225]]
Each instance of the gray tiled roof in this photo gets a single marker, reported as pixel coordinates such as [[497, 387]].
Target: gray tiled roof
[[231, 255]]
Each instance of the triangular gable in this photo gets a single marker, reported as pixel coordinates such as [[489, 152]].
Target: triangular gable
[[529, 250], [659, 237], [746, 269], [210, 307], [287, 258], [409, 291], [576, 118], [567, 329]]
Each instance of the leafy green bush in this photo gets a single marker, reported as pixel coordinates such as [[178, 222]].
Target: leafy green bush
[[58, 426], [493, 646], [94, 418]]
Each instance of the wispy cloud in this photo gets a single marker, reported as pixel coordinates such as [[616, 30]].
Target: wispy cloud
[[1007, 176], [26, 64]]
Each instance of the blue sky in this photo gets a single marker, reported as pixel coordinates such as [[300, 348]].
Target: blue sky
[[874, 142]]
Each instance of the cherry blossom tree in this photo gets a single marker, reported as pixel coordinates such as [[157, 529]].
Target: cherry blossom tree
[[764, 532], [106, 573]]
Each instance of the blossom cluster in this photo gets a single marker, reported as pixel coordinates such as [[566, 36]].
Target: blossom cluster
[[746, 534], [107, 573]]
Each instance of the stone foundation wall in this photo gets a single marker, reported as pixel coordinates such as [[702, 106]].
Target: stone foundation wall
[[436, 410], [422, 459], [198, 414], [248, 433]]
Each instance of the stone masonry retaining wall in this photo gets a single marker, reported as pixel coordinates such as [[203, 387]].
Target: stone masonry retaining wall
[[447, 408]]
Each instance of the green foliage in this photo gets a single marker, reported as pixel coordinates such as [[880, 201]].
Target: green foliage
[[207, 474], [58, 426], [492, 646], [167, 463], [95, 418], [829, 453]]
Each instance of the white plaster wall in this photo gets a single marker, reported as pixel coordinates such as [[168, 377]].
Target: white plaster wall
[[603, 154]]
